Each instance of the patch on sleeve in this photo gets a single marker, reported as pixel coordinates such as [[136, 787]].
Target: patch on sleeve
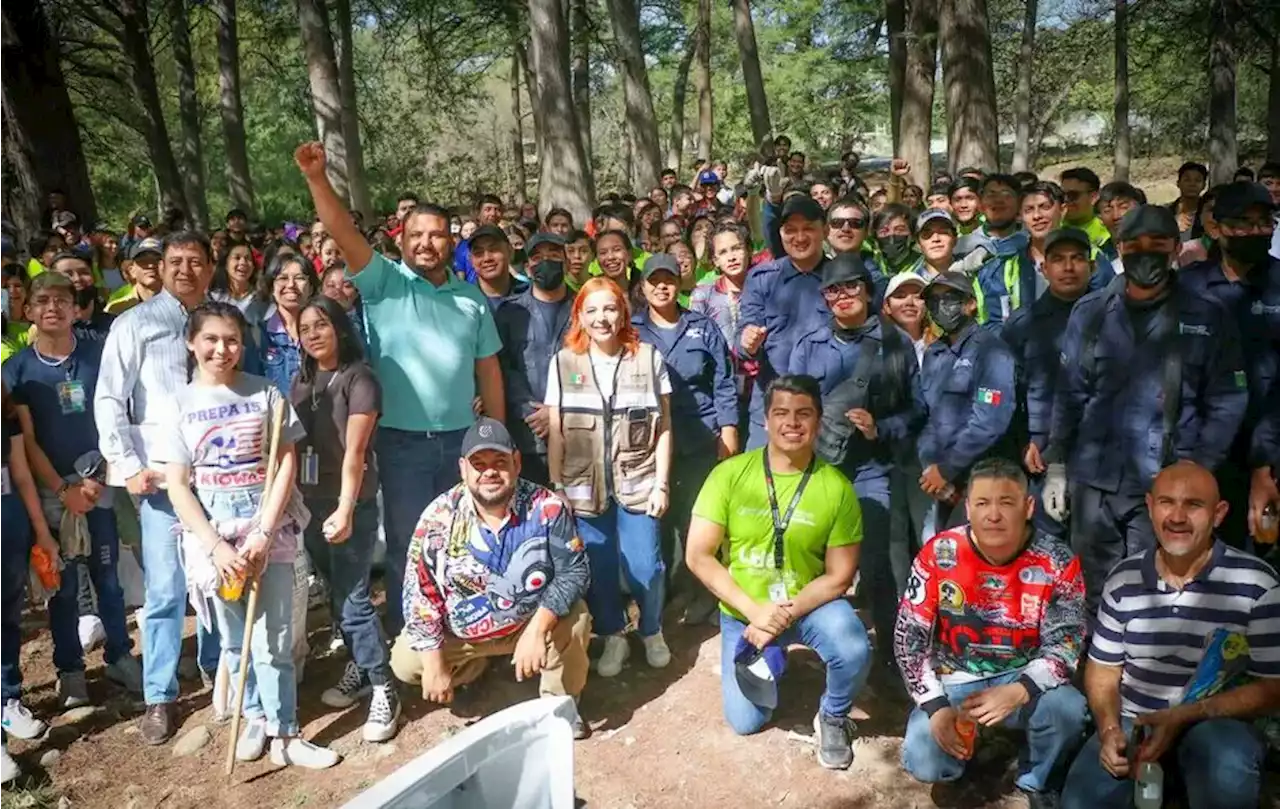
[[1242, 380], [988, 396]]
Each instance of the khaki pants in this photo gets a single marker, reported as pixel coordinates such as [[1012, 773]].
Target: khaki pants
[[565, 673]]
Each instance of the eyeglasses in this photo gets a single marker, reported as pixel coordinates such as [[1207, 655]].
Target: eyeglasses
[[846, 289], [851, 222], [57, 302]]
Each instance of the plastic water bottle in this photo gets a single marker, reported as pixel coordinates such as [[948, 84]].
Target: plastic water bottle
[[1148, 791], [1269, 525]]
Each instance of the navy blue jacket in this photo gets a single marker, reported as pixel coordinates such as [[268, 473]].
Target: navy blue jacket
[[529, 340], [704, 390], [1108, 426], [1034, 334], [896, 404], [969, 387], [1264, 449]]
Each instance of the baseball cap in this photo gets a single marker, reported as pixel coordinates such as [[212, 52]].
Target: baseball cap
[[708, 177], [802, 205], [903, 279], [953, 280], [934, 215], [487, 433], [147, 245], [660, 261], [141, 221], [844, 268], [542, 237], [488, 231], [1148, 220], [1068, 236], [1233, 200], [758, 672]]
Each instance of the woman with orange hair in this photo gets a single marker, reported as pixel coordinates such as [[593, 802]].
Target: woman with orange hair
[[609, 454]]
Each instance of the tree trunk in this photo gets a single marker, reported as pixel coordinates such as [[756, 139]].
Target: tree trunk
[[1022, 100], [640, 118], [1222, 91], [757, 101], [230, 106], [581, 67], [41, 138], [189, 115], [360, 199], [565, 179], [895, 18], [675, 149], [1121, 124], [702, 80], [1273, 104], [970, 85], [142, 78], [916, 131], [517, 132], [535, 106], [326, 96]]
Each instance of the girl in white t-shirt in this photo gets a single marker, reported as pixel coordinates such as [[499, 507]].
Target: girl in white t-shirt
[[217, 439]]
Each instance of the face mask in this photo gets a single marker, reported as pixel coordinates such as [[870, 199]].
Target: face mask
[[86, 297], [1248, 250], [548, 275], [948, 312], [1146, 270], [895, 248]]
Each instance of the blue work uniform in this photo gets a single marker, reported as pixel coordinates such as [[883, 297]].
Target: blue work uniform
[[517, 289], [1109, 420], [788, 303], [532, 332]]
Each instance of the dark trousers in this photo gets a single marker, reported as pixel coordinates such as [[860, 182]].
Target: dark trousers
[[875, 562], [909, 510], [1105, 528], [688, 473], [533, 466], [15, 553], [65, 607]]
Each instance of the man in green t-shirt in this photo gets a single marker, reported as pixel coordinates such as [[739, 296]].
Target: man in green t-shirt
[[776, 593]]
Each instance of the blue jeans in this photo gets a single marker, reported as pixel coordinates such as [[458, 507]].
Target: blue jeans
[[1054, 722], [64, 607], [166, 604], [271, 692], [416, 468], [346, 567], [1220, 761], [15, 553], [833, 631], [634, 536]]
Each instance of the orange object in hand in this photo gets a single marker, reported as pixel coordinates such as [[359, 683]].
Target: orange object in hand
[[46, 568], [967, 730], [231, 589]]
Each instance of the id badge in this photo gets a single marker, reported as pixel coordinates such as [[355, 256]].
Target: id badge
[[71, 396], [310, 469], [777, 592]]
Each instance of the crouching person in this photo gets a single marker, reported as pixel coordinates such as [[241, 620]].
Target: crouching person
[[495, 568], [791, 527], [989, 633]]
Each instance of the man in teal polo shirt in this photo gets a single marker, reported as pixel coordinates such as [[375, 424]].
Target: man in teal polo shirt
[[433, 344]]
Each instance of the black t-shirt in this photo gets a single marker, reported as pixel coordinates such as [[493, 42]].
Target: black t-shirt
[[323, 407]]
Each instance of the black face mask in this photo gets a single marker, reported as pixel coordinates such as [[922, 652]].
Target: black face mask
[[895, 248], [947, 311], [548, 275], [1249, 250], [86, 298], [1146, 270]]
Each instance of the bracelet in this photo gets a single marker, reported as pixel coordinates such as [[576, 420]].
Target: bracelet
[[213, 549]]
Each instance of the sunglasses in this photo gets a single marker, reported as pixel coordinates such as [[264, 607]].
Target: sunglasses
[[842, 222], [847, 289]]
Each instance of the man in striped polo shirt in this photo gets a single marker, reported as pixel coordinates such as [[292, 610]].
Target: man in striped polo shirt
[[1158, 608]]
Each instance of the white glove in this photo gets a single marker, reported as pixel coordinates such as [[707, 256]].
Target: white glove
[[1055, 492], [773, 181]]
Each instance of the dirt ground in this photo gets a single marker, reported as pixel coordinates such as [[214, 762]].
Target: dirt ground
[[658, 741]]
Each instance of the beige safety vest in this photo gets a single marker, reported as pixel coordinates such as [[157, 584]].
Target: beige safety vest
[[609, 446]]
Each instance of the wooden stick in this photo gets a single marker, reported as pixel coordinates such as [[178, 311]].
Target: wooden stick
[[251, 611]]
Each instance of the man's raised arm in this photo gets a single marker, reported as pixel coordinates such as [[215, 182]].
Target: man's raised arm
[[331, 209]]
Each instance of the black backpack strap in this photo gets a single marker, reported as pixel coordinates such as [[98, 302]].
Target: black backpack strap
[[835, 430]]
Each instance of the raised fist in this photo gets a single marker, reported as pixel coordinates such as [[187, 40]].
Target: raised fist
[[310, 159]]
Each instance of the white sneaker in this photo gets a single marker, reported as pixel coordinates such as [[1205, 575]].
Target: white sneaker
[[299, 752], [384, 712], [656, 653], [72, 690], [8, 767], [616, 652], [18, 721], [91, 631], [253, 740], [352, 687]]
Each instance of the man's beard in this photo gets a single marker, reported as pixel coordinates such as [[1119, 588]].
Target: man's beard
[[502, 497]]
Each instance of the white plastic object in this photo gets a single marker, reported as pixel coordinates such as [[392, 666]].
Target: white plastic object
[[1148, 789], [518, 758]]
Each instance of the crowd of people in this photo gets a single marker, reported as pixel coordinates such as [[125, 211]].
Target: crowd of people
[[1032, 426]]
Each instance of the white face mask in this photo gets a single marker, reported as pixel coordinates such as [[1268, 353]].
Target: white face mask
[[455, 229], [725, 195]]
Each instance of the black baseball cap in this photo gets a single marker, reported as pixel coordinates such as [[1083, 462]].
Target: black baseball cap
[[660, 261], [488, 231], [950, 280], [148, 245], [141, 221], [802, 205], [487, 433], [843, 269], [1068, 236], [1233, 200], [1148, 220], [543, 237]]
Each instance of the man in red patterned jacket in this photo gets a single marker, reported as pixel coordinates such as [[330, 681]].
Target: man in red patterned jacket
[[989, 632]]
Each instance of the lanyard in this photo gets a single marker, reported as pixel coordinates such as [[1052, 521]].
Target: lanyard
[[781, 523]]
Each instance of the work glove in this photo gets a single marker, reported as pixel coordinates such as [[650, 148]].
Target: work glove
[[773, 179], [1055, 492]]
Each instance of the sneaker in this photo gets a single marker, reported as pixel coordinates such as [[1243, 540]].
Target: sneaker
[[1040, 800], [581, 730], [301, 753], [208, 679], [253, 740], [336, 643], [72, 690], [616, 652], [8, 767], [656, 653], [835, 741], [384, 711], [91, 631], [127, 672], [352, 687], [18, 721]]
